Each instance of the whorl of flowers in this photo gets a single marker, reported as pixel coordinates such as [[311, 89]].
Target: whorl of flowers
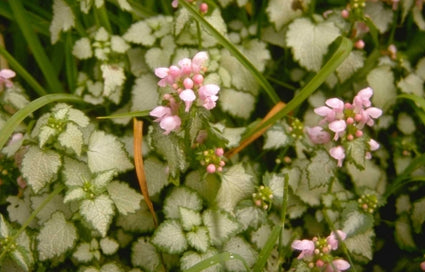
[[317, 252], [186, 83], [344, 122]]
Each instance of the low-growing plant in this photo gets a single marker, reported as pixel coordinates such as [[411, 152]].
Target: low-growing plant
[[279, 135]]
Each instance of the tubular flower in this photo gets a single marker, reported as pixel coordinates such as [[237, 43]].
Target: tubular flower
[[186, 83], [344, 122], [5, 76]]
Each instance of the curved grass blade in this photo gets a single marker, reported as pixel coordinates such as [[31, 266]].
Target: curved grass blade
[[340, 54], [222, 257], [33, 42], [234, 51], [126, 115], [20, 115]]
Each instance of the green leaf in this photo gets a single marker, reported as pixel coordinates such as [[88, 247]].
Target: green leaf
[[98, 212], [181, 197], [371, 177], [56, 237], [82, 49], [139, 221], [261, 235], [355, 152], [108, 245], [405, 123], [221, 226], [276, 137], [251, 216], [4, 227], [114, 78], [105, 152], [84, 252], [20, 256], [236, 185], [55, 204], [238, 104], [102, 179], [144, 255], [72, 138], [351, 64], [381, 16], [384, 91], [75, 172], [74, 194], [361, 244], [144, 93], [19, 209], [355, 222], [189, 219], [171, 148], [140, 33], [198, 239], [412, 84], [309, 42], [403, 204], [63, 19], [320, 170], [156, 175], [40, 167], [418, 214], [45, 134], [239, 246], [191, 258], [126, 199], [403, 233], [281, 12], [169, 237]]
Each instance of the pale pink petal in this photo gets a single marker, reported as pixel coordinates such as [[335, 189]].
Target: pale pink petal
[[336, 104], [186, 66], [323, 111], [338, 127], [332, 239], [317, 135], [170, 123], [7, 73], [374, 145], [338, 153], [208, 90], [160, 112], [188, 96], [374, 112], [306, 247], [175, 3], [162, 72], [341, 264], [198, 61]]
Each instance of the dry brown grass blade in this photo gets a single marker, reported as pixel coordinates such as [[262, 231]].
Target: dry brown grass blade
[[257, 134], [138, 164]]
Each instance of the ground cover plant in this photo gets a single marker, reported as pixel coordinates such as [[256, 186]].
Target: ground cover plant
[[227, 135]]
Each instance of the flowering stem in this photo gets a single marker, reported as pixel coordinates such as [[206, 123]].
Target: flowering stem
[[20, 115], [12, 239], [340, 241], [22, 72], [235, 52], [33, 42], [276, 232]]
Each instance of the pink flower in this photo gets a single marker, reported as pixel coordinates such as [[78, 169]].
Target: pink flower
[[168, 75], [211, 168], [188, 96], [186, 66], [374, 145], [306, 246], [175, 3], [422, 265], [198, 61], [208, 95], [338, 265], [160, 112], [338, 153], [333, 240], [5, 76], [317, 135], [170, 123], [338, 127], [362, 99]]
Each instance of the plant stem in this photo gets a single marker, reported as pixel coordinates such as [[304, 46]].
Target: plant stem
[[33, 42], [12, 239]]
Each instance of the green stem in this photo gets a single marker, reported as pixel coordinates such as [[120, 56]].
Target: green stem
[[234, 51], [22, 72], [13, 122], [55, 192], [34, 43], [222, 257], [70, 67], [276, 232], [337, 58]]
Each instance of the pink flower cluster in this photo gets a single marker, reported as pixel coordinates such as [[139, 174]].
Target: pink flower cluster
[[186, 82], [317, 252], [5, 76], [213, 160], [344, 122]]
